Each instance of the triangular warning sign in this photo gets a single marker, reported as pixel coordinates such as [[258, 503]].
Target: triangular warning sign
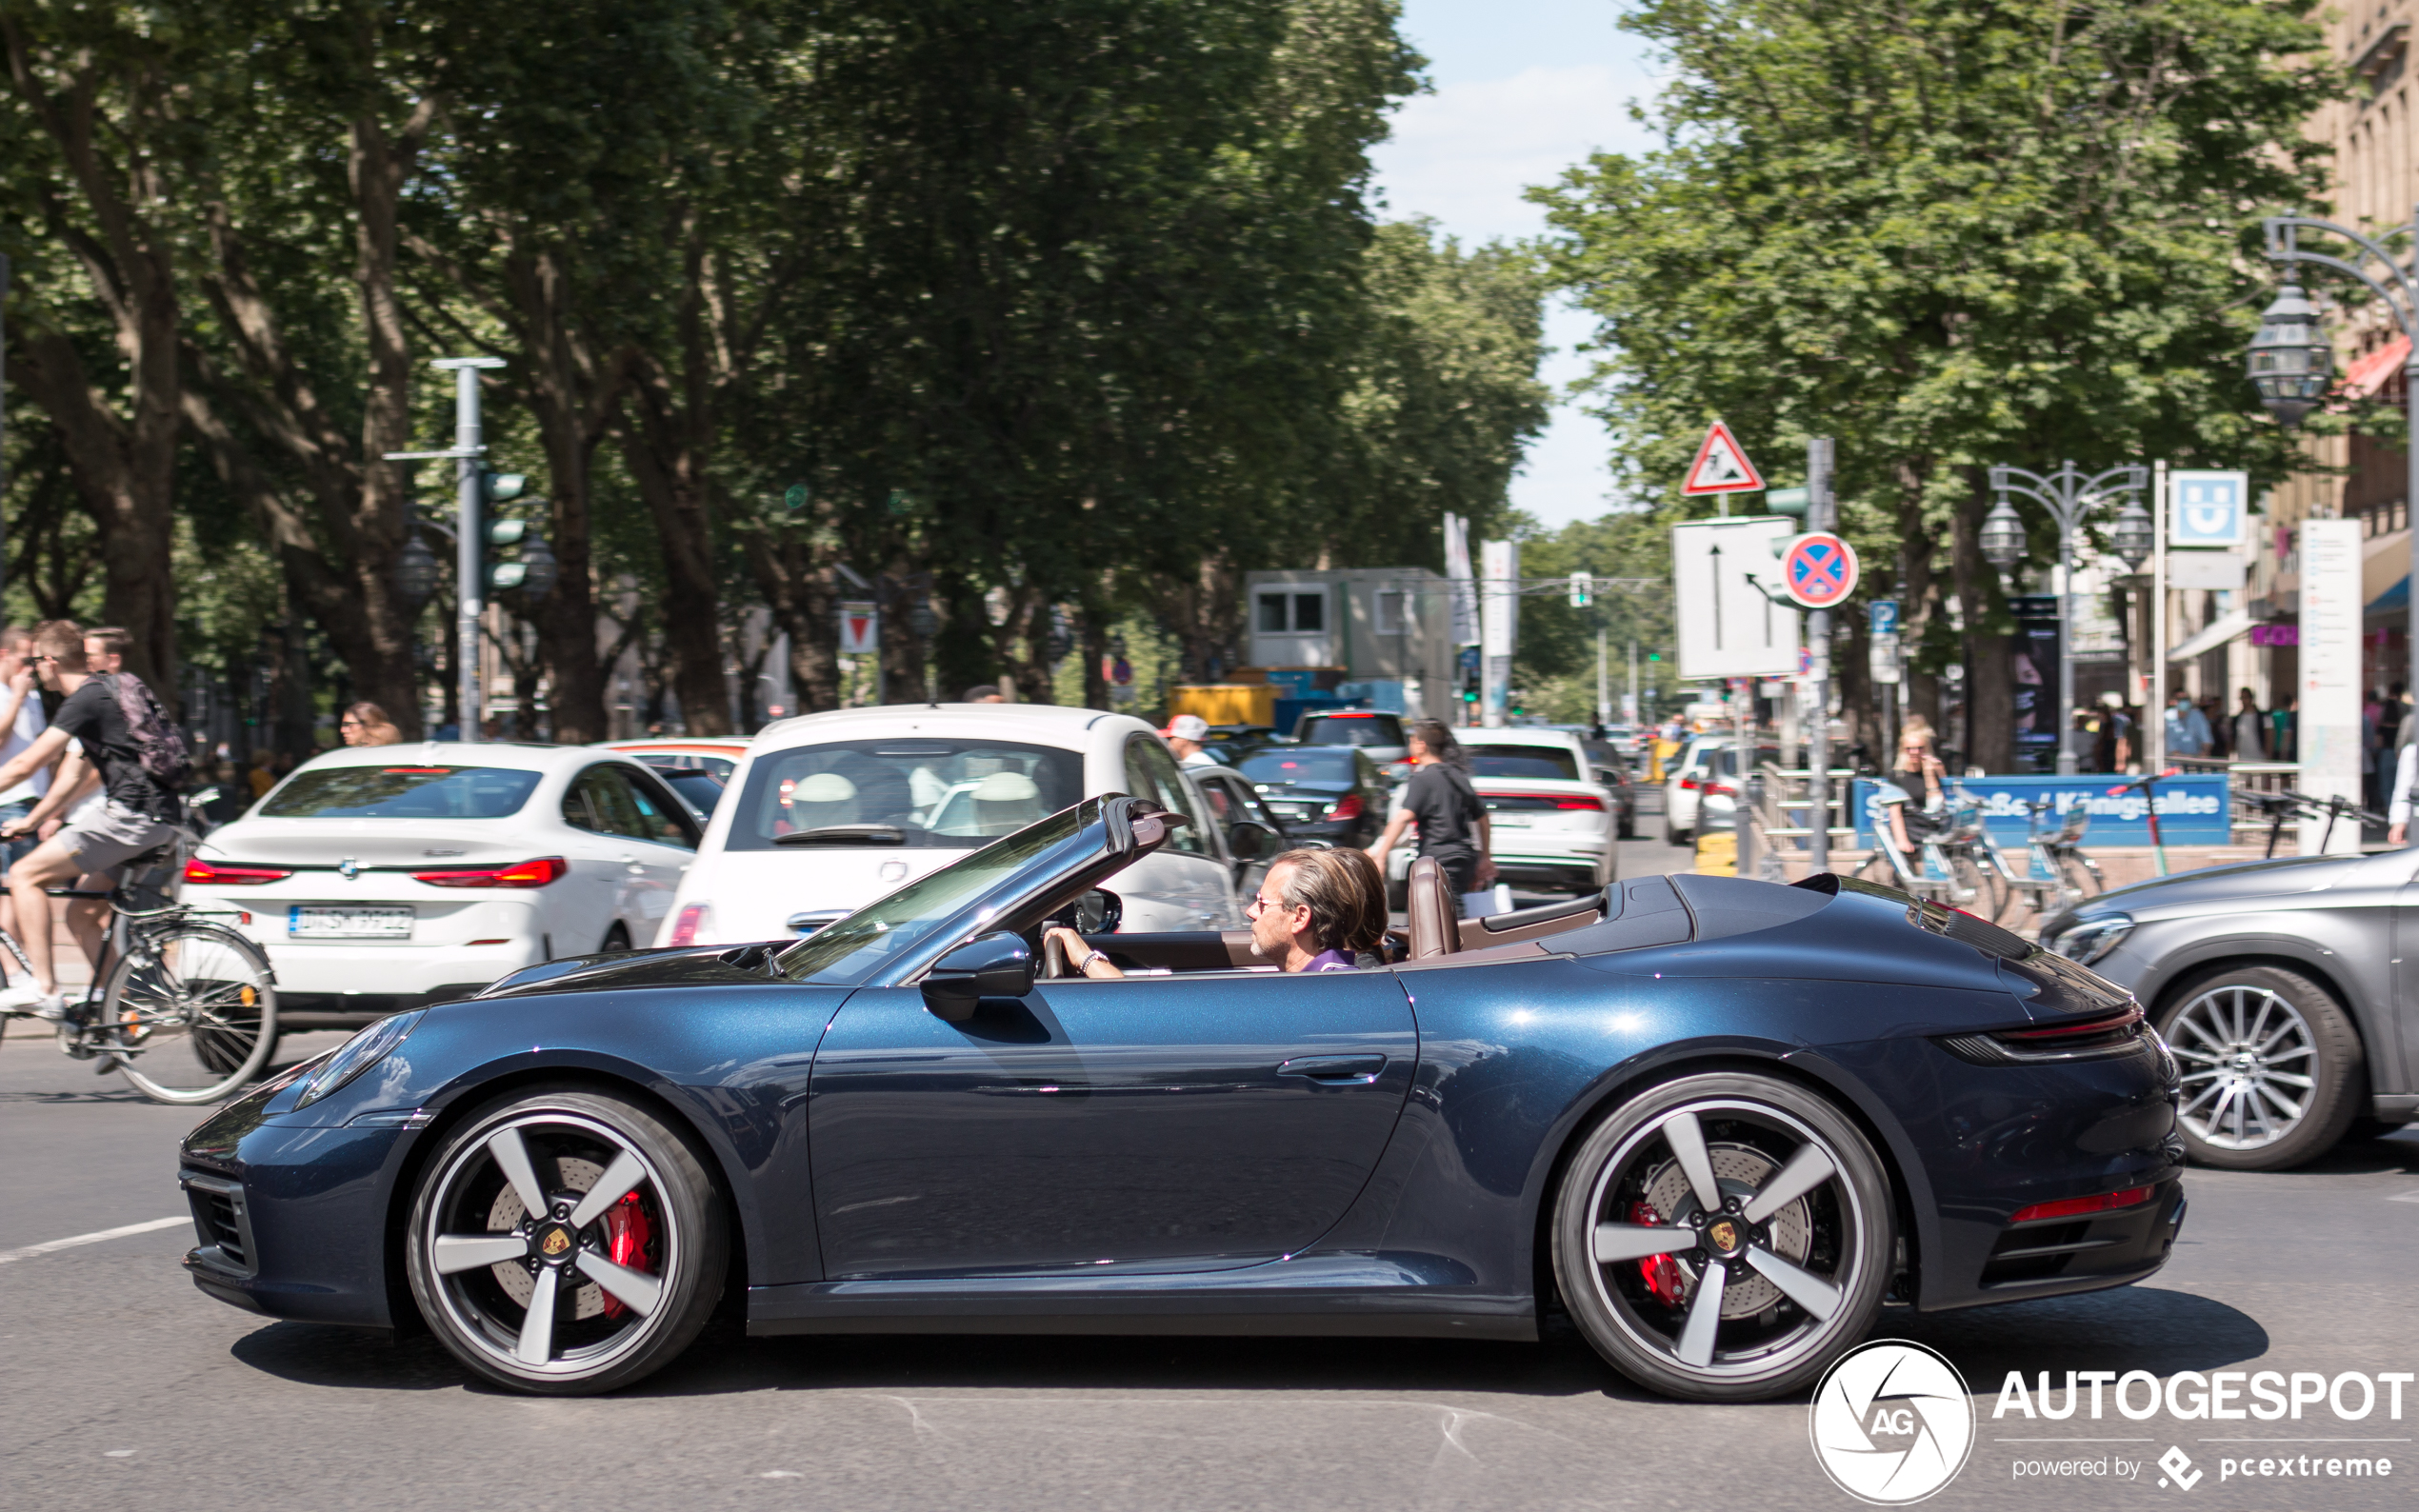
[[1722, 466]]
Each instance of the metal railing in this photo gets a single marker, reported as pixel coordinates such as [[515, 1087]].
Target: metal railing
[[2247, 817]]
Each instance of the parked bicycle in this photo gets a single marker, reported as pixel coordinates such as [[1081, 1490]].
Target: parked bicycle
[[183, 1003], [2057, 872], [1944, 867]]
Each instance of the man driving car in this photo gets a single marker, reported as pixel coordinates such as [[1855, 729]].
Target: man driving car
[[1317, 910]]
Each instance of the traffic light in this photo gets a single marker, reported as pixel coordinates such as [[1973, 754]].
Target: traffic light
[[502, 487], [1583, 587], [1788, 500], [535, 573]]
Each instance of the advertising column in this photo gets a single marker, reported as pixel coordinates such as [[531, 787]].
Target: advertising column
[[2329, 683], [1498, 628]]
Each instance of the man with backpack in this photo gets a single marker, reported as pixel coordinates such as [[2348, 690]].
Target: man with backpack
[[123, 734]]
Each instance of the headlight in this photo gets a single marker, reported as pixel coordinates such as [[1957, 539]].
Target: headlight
[[2087, 940], [357, 1055]]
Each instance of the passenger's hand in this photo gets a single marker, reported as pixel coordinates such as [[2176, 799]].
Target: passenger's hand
[[22, 679]]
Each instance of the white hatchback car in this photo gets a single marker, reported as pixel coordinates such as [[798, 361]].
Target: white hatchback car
[[379, 878], [830, 811], [1551, 813]]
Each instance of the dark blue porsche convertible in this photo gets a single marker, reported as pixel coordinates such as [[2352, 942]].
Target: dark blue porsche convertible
[[1722, 1122]]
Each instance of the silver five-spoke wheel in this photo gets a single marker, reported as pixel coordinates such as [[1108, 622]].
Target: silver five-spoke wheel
[[2270, 1067], [566, 1243], [1723, 1237]]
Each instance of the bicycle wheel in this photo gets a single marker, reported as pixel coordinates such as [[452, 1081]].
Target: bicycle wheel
[[192, 1006], [2078, 879]]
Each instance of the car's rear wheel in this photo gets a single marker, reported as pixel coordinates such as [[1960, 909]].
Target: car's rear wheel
[[566, 1242], [1723, 1237], [2271, 1068]]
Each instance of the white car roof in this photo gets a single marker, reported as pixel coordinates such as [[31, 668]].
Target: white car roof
[[700, 743], [1518, 735], [1031, 724], [459, 753]]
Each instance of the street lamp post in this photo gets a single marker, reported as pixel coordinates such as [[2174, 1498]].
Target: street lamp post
[[2069, 495], [2291, 361]]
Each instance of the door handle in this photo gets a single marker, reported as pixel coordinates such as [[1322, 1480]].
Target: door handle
[[1335, 1070]]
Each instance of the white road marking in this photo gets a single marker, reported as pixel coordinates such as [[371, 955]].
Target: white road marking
[[2406, 1196], [46, 1247]]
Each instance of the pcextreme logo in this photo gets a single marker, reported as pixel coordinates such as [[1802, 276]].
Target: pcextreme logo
[[1891, 1423]]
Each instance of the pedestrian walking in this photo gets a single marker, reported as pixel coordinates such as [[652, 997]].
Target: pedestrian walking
[[2187, 728], [1185, 735], [2251, 728], [1453, 827]]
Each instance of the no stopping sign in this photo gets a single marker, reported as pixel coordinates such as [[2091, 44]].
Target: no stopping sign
[[1819, 571]]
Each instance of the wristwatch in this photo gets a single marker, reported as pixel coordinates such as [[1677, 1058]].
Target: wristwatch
[[1083, 967]]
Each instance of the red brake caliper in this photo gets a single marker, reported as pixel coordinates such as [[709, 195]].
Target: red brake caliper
[[1664, 1280], [626, 1233]]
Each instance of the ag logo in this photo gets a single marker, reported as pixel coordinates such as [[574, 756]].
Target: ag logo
[[1891, 1423]]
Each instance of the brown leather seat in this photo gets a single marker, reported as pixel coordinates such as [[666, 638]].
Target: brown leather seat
[[1435, 911]]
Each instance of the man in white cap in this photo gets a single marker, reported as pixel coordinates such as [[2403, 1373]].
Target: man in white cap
[[1186, 733]]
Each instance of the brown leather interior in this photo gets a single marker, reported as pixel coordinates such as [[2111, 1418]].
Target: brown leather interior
[[1238, 944], [1432, 909], [1526, 951], [1476, 934]]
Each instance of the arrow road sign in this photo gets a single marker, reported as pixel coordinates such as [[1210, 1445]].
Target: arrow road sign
[[1818, 569], [1722, 466]]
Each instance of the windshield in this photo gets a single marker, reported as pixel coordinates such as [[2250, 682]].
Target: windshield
[[1300, 764], [850, 951], [698, 789], [1353, 730], [668, 762], [401, 792], [1537, 763], [939, 791]]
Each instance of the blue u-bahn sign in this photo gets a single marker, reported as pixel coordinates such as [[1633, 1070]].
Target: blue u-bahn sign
[[2193, 810]]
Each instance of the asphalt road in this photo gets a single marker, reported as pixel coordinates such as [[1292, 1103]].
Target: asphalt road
[[123, 1387]]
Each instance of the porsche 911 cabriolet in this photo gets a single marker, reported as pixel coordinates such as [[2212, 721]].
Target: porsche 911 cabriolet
[[1721, 1123]]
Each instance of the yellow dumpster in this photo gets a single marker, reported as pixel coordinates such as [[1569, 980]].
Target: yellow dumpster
[[1718, 854], [1226, 702]]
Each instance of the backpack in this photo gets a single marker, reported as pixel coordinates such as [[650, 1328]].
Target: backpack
[[158, 744]]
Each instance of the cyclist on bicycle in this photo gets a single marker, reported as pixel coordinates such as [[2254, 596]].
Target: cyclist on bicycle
[[135, 814]]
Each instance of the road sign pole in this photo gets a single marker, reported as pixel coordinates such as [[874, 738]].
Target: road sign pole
[[1819, 516]]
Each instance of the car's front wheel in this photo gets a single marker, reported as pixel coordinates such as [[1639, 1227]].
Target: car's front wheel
[[1723, 1237], [2270, 1067], [566, 1242]]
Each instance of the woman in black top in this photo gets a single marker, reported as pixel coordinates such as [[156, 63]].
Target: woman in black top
[[1452, 822]]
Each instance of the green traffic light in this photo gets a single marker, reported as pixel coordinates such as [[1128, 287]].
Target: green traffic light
[[506, 532]]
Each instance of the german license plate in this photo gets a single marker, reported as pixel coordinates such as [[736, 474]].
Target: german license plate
[[306, 920]]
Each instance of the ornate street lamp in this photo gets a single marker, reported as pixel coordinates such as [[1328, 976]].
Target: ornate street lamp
[[2069, 495], [2291, 361], [2134, 535], [539, 569], [2002, 536], [416, 572]]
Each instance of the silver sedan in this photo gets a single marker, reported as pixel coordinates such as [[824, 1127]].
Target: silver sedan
[[2283, 991]]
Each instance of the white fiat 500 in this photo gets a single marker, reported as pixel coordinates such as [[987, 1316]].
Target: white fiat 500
[[379, 878], [830, 811]]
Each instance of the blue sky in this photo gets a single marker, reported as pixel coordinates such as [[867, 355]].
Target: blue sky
[[1521, 89]]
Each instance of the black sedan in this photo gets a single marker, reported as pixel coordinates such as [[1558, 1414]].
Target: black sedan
[[1333, 793], [1721, 1120]]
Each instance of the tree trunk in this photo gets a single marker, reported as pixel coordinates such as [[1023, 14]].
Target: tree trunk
[[572, 394], [666, 447], [1093, 648]]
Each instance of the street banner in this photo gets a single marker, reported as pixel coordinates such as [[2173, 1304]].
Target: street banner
[[1457, 571], [2210, 508], [860, 628], [1499, 627], [2193, 810], [1728, 624], [2329, 676], [1721, 465]]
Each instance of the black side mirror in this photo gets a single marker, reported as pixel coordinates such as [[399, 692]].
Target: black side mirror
[[994, 966], [1099, 911], [1249, 839]]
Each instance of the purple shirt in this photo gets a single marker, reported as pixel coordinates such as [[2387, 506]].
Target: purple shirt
[[1329, 961]]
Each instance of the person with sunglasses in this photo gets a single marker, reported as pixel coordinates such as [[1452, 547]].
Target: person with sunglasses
[[1317, 910]]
